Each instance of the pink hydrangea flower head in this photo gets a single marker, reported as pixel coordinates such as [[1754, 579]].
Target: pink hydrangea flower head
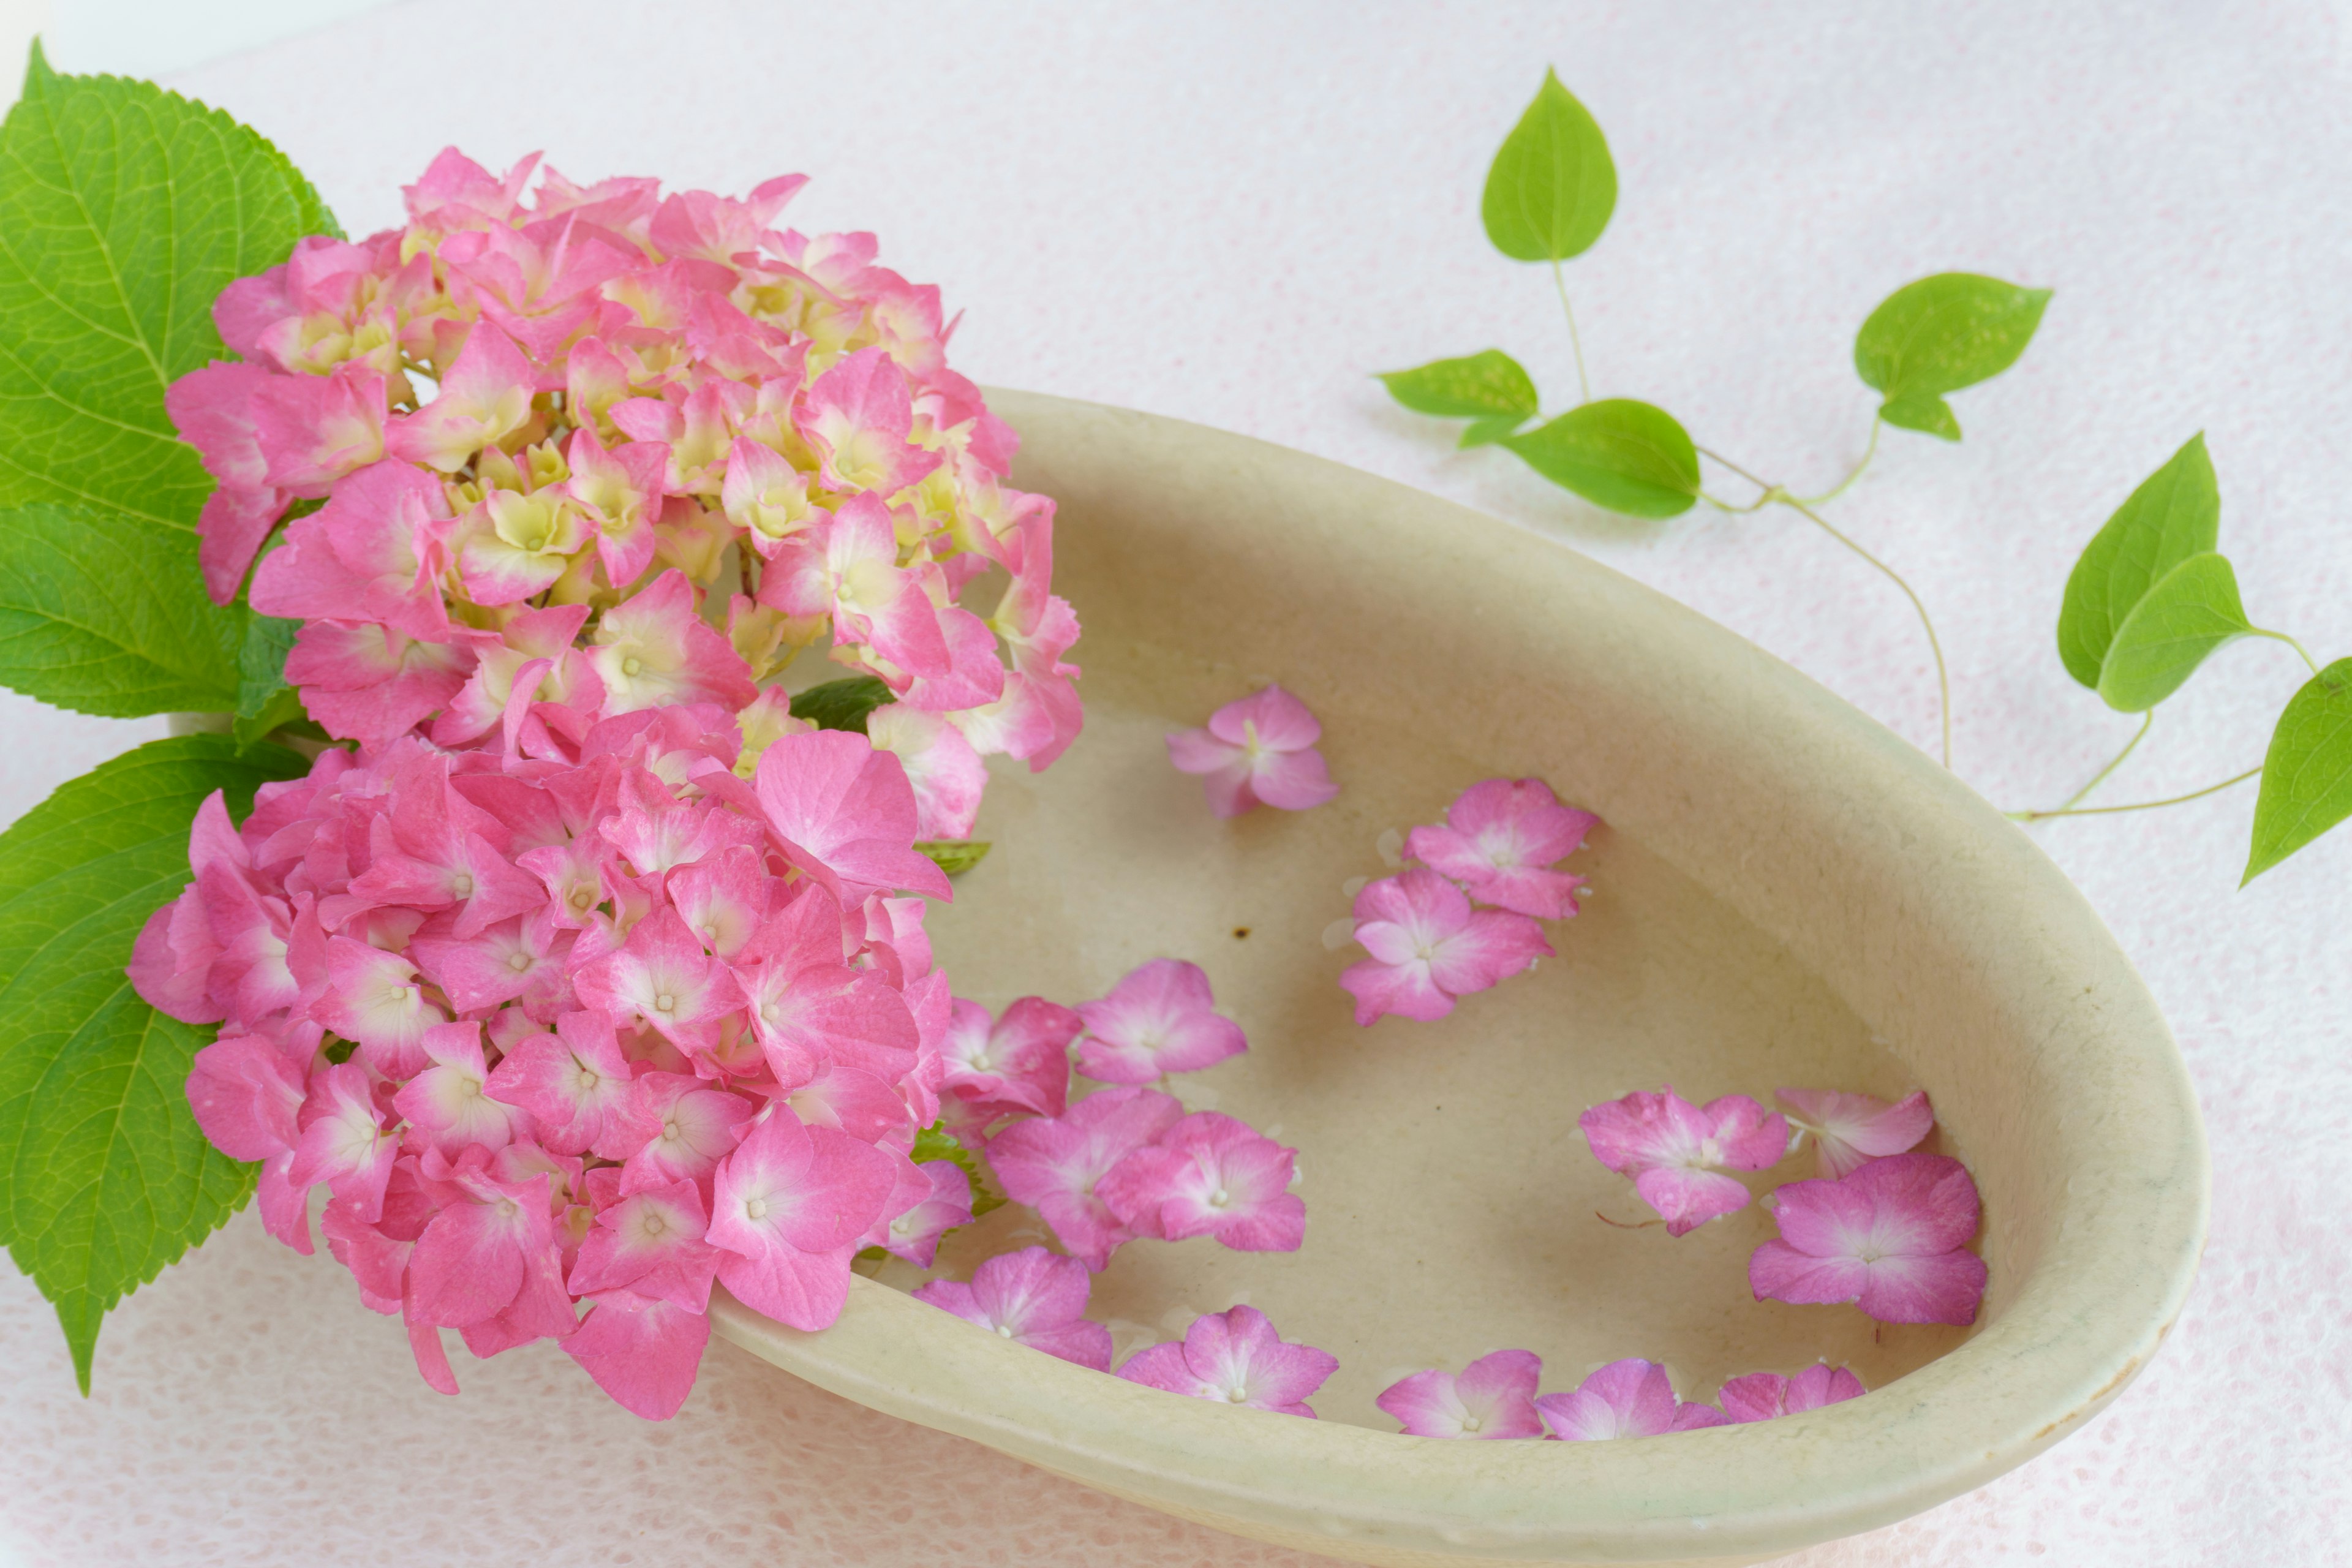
[[1259, 750], [1676, 1152], [1764, 1395], [1160, 1019], [1055, 1164], [1891, 1237], [1428, 946], [1630, 1398], [1034, 1298], [1210, 1174], [1851, 1130], [1493, 1396], [1501, 839], [1235, 1357]]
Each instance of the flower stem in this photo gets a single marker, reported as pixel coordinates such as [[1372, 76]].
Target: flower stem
[[1840, 489], [2281, 636], [1770, 493], [2136, 806], [1559, 282], [2098, 778]]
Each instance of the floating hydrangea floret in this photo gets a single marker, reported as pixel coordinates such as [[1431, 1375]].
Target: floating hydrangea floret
[[1631, 1398], [1235, 1357], [1258, 751], [1767, 1396], [1500, 841], [1849, 1130], [1428, 946], [1892, 1239], [1161, 1019], [1676, 1152], [1032, 1297], [1493, 1396]]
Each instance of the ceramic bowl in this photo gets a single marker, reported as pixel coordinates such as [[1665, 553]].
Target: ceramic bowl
[[1785, 893]]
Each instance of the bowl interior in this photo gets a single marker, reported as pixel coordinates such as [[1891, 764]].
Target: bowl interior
[[1452, 1207]]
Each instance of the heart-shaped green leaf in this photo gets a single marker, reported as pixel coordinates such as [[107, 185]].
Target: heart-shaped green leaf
[[2192, 610], [1487, 388], [2307, 774], [124, 210], [1552, 185], [104, 1175], [1938, 336], [1628, 456], [2174, 514], [104, 613]]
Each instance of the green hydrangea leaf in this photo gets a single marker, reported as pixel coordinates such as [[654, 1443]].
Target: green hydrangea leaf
[[2307, 773], [953, 856], [124, 210], [1938, 336], [842, 704], [104, 1175], [936, 1143], [281, 710], [261, 661], [104, 613], [2174, 514], [1628, 456], [2189, 614], [1552, 184]]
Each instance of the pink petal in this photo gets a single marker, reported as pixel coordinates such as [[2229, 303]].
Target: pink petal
[[644, 1353]]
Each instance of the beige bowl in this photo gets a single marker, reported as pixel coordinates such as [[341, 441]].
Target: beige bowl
[[1785, 894]]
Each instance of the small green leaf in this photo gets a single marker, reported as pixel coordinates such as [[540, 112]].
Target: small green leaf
[[1628, 456], [2307, 773], [104, 1175], [124, 211], [1938, 336], [2174, 514], [936, 1143], [1552, 185], [261, 661], [104, 613], [953, 856], [841, 704], [1475, 386], [2187, 615]]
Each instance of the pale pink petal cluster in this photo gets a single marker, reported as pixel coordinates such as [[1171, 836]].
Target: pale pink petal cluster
[[1891, 1237], [1501, 841], [1258, 751], [1428, 946], [1235, 1357], [1493, 1396], [1677, 1152], [1160, 1019], [588, 1029], [1849, 1130], [1032, 1297], [580, 451], [1631, 1398], [1767, 1396]]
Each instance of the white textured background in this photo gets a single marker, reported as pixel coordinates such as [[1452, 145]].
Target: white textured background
[[1234, 213]]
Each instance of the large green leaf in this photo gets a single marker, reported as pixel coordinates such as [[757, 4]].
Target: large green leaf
[[1628, 456], [842, 704], [2307, 773], [124, 210], [104, 1175], [2187, 617], [1940, 334], [2174, 514], [1489, 389], [104, 613], [1552, 185]]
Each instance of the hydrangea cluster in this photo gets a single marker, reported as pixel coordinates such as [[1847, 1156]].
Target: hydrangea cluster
[[579, 451], [1462, 918], [1882, 1227], [1495, 1397]]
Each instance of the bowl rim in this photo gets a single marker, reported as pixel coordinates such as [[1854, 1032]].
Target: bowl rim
[[2079, 1328]]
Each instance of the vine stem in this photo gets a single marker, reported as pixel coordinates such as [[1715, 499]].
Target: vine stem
[[1559, 282], [1772, 492], [2136, 806], [1868, 452], [2281, 636], [2098, 778]]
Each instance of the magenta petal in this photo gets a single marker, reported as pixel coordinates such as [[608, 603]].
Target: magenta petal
[[1941, 1289], [1779, 1272], [1294, 781], [642, 1352], [1084, 1343]]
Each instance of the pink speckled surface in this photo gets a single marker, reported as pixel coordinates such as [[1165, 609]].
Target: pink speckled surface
[[1233, 213]]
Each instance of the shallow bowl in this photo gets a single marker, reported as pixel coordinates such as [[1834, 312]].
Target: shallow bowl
[[1785, 894]]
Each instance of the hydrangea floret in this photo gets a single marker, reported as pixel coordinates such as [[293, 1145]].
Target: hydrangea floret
[[1493, 1397], [1678, 1153], [1849, 1130], [1235, 1357], [1258, 751], [1892, 1239], [1630, 1398]]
